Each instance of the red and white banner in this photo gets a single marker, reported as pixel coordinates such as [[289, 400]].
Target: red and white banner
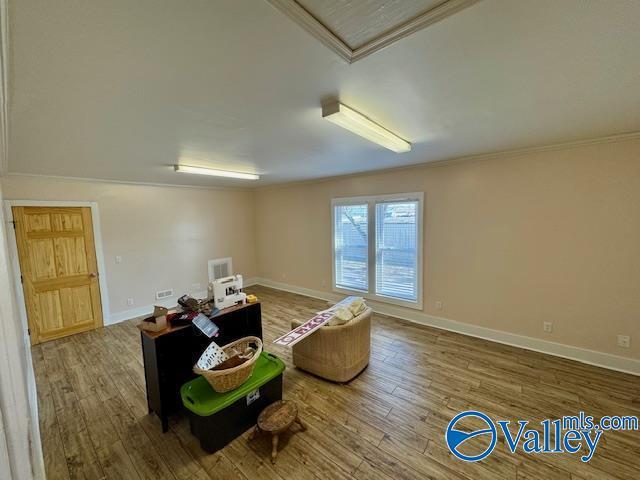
[[304, 330]]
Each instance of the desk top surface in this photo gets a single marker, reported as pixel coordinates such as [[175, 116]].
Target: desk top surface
[[170, 328]]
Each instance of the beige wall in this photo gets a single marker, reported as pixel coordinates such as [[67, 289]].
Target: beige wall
[[165, 235], [509, 242]]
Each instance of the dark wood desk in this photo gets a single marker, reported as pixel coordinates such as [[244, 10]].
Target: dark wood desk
[[169, 355]]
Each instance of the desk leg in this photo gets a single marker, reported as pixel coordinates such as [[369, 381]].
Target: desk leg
[[146, 382], [165, 424]]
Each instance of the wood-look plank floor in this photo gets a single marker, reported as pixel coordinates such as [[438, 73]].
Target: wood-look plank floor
[[388, 423]]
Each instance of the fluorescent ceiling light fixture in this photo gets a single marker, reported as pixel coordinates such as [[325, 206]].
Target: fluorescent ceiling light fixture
[[359, 124], [215, 173]]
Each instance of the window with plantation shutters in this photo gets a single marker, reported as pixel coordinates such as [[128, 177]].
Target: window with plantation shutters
[[397, 249], [351, 240], [377, 247]]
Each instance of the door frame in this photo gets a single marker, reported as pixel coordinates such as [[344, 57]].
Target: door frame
[[15, 261]]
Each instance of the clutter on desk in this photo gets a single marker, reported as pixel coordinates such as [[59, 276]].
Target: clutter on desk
[[181, 318], [227, 291], [169, 355], [190, 304], [218, 418], [252, 299], [205, 325], [157, 321], [339, 314], [223, 293], [228, 379]]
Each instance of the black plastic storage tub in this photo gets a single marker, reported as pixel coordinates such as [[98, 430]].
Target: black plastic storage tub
[[218, 418]]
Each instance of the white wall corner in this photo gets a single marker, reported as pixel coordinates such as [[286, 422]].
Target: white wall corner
[[4, 91], [582, 355], [20, 433]]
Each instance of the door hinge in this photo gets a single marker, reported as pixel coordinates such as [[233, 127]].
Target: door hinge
[[21, 279], [29, 331], [14, 224]]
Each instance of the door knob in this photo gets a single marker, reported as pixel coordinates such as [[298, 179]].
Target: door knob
[[93, 274]]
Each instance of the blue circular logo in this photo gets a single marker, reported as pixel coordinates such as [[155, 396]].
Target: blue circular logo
[[455, 438]]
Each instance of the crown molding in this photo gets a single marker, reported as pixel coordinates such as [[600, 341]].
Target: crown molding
[[121, 182], [312, 25], [622, 137], [617, 138]]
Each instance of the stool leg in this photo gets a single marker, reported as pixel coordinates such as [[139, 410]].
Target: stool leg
[[274, 447], [254, 433], [299, 422]]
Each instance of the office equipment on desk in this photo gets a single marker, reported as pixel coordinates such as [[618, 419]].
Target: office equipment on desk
[[227, 291], [169, 355]]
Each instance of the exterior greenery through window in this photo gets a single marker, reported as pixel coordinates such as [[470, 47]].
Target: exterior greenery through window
[[377, 247]]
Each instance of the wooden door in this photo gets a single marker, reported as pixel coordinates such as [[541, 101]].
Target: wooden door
[[59, 270]]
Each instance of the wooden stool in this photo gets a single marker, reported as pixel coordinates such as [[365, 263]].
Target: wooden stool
[[276, 419]]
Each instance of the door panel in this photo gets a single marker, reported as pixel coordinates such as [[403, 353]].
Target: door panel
[[59, 270], [49, 311], [70, 256], [62, 222], [42, 256], [38, 223]]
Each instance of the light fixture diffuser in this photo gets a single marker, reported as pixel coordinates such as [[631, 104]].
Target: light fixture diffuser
[[215, 173], [359, 124]]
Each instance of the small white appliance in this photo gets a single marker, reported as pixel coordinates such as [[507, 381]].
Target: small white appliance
[[227, 291]]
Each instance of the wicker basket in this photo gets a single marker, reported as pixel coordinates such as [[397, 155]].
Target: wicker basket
[[226, 380]]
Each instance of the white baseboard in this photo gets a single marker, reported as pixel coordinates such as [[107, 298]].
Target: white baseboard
[[147, 310], [583, 355]]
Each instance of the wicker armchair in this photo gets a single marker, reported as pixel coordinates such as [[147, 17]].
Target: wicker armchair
[[337, 353]]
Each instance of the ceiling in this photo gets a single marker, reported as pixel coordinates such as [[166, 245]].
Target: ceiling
[[122, 90]]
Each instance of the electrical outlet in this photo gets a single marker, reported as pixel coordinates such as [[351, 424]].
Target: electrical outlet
[[284, 276], [323, 283], [118, 259], [438, 305], [624, 341], [196, 287], [129, 302], [547, 327]]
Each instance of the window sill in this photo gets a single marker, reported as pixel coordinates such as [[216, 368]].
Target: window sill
[[417, 305]]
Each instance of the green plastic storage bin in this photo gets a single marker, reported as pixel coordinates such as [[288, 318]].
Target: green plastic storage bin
[[217, 418]]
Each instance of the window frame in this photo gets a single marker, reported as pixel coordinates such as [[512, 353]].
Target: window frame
[[372, 201]]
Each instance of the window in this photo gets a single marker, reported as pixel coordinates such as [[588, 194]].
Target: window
[[377, 247], [352, 246]]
